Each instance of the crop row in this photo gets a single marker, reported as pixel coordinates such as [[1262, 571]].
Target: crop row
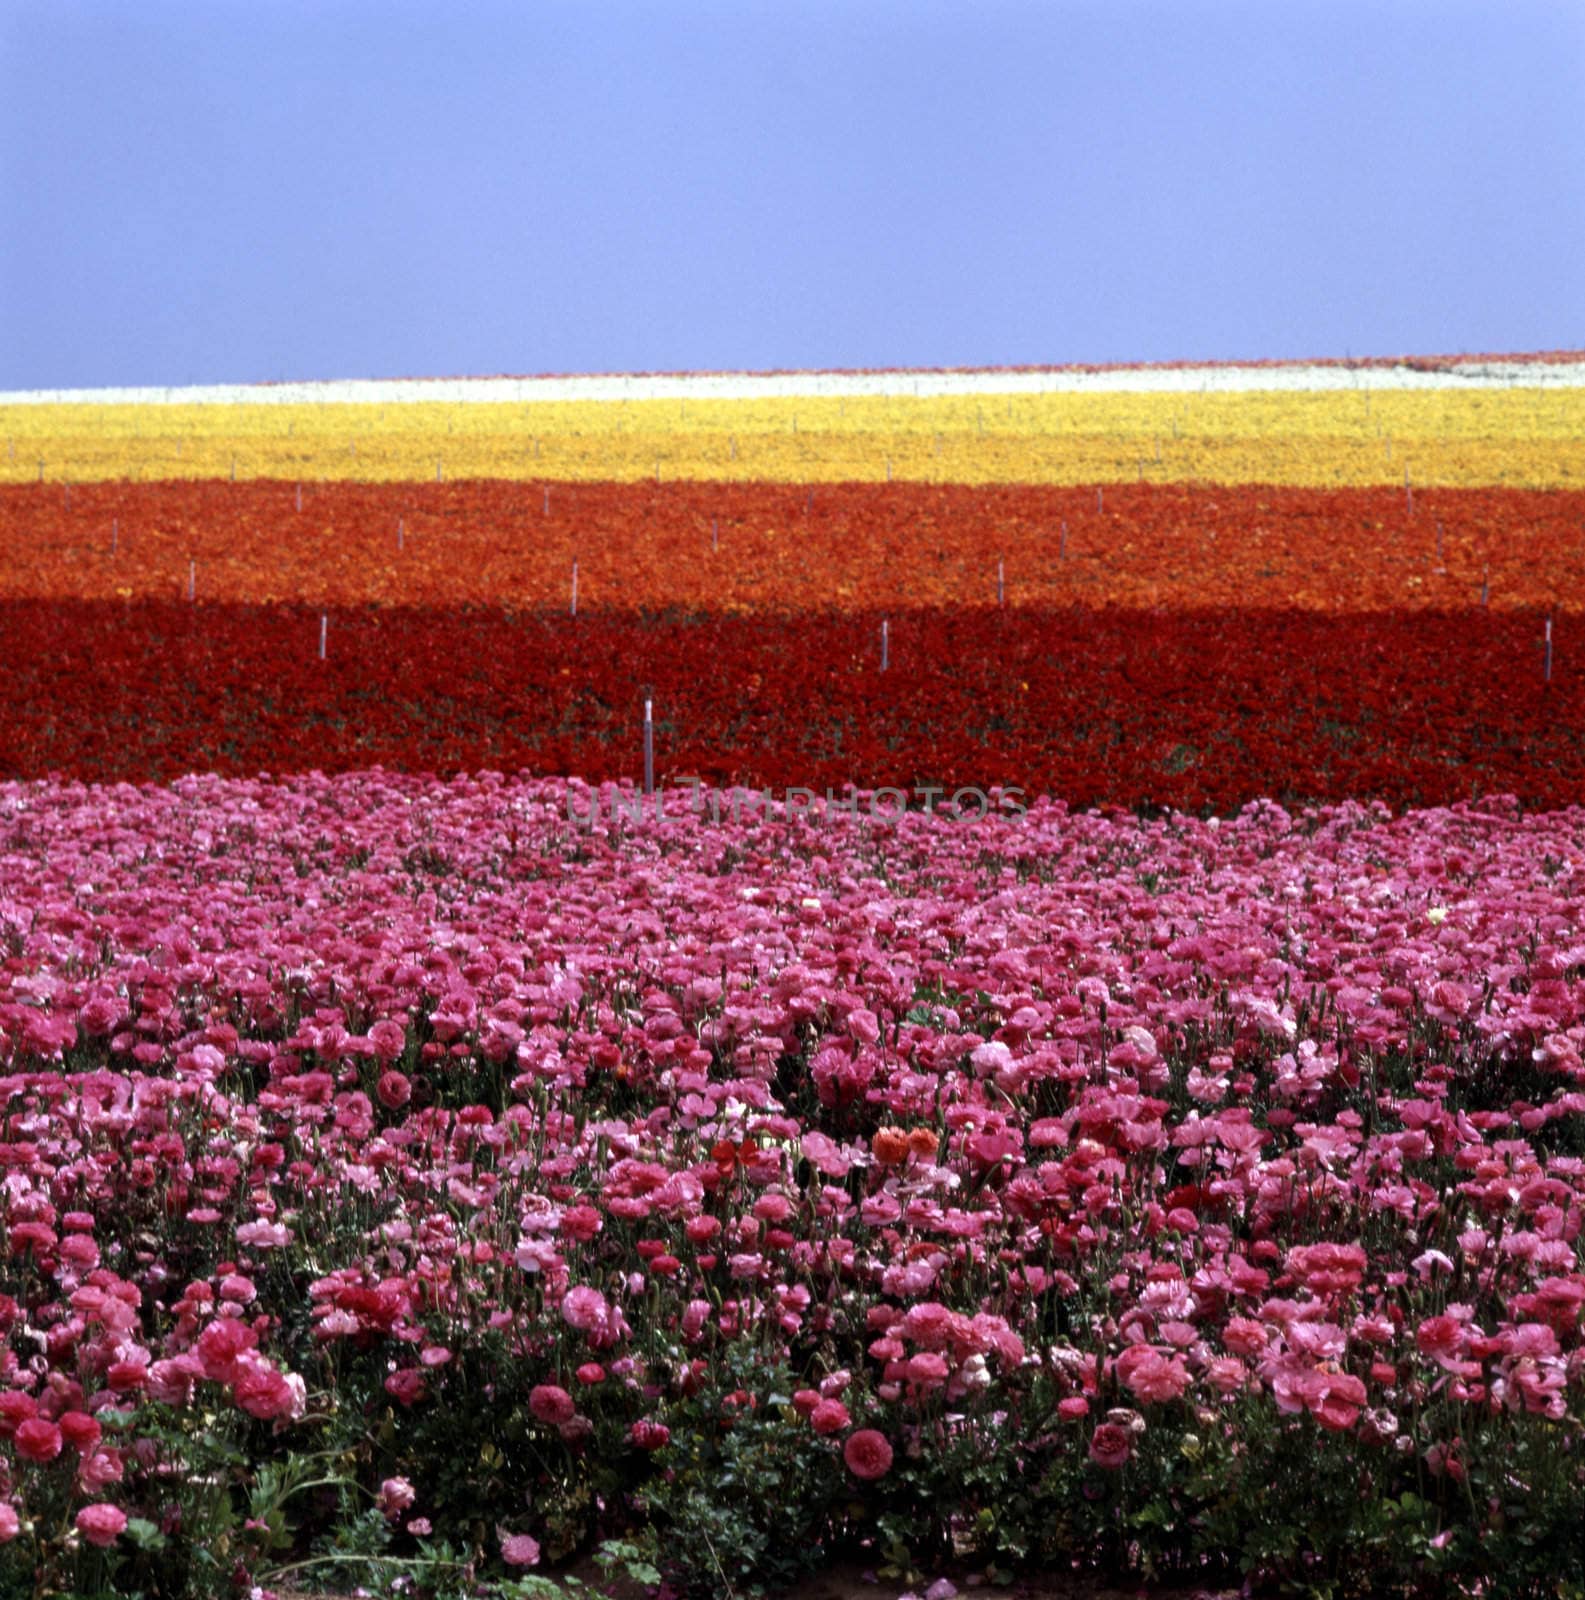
[[1523, 437], [1190, 709], [725, 548], [1053, 1187]]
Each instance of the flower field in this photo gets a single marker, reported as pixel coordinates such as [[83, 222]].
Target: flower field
[[1156, 1151], [1532, 435], [775, 548], [1150, 708]]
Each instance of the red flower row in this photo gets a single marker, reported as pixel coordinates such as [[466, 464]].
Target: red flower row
[[1094, 706]]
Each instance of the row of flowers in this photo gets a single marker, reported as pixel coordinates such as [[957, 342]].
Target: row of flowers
[[1095, 706], [724, 547], [527, 1163], [1526, 437]]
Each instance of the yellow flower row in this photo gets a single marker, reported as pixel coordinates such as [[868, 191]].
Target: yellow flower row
[[1529, 437]]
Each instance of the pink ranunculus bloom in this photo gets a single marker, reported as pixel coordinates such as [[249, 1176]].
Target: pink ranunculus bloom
[[101, 1468], [221, 1343], [1244, 1336], [576, 1428], [1440, 1338], [1110, 1446], [867, 1454], [393, 1090], [1335, 1400], [829, 1416], [1227, 1375], [648, 1435], [701, 1230], [406, 1385], [695, 1316], [10, 1522], [15, 1408], [238, 1289], [518, 1549], [261, 1389], [81, 1431], [37, 1440], [101, 1524], [549, 1402], [419, 1527], [396, 1495], [389, 1039], [171, 1381], [928, 1368], [1073, 1408], [80, 1251], [1154, 1377], [128, 1375], [929, 1324], [584, 1309], [262, 1235]]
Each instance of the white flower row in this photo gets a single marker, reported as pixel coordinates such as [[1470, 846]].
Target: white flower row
[[1471, 373]]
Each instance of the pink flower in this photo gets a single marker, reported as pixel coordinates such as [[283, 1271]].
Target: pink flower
[[171, 1381], [406, 1386], [221, 1343], [101, 1524], [1073, 1408], [126, 1375], [829, 1416], [37, 1440], [1442, 1339], [576, 1428], [1110, 1446], [927, 1368], [102, 1467], [260, 1390], [238, 1289], [1244, 1336], [580, 1223], [1152, 1376], [548, 1402], [10, 1522], [518, 1550], [649, 1435], [263, 1235], [867, 1454], [389, 1039], [419, 1527], [394, 1090], [80, 1431], [396, 1495], [584, 1309], [15, 1408], [1226, 1375], [1335, 1399]]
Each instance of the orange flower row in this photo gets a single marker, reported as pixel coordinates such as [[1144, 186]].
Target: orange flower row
[[726, 548]]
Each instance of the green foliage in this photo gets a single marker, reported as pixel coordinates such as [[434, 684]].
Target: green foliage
[[747, 1494]]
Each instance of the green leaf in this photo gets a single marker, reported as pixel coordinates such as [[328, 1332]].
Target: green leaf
[[144, 1535]]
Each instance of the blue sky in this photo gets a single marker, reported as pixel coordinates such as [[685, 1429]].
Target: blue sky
[[232, 190]]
